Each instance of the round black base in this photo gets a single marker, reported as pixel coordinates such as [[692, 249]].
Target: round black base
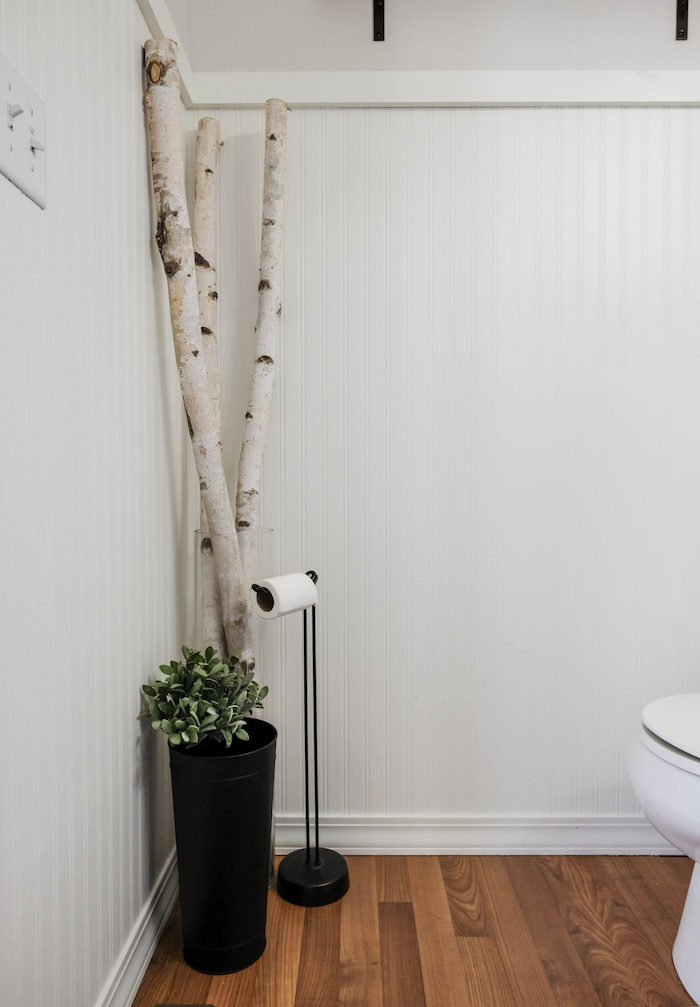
[[309, 884]]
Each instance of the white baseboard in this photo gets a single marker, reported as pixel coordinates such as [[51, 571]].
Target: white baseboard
[[125, 978], [627, 834]]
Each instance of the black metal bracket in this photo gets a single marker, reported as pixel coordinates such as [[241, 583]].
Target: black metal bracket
[[681, 19], [379, 19]]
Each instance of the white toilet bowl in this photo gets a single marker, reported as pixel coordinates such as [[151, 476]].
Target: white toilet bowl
[[664, 769]]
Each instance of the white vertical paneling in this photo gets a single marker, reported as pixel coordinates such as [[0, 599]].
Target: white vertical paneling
[[95, 509], [486, 441]]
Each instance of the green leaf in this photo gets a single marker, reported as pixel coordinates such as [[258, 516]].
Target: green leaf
[[174, 739], [148, 690], [263, 692], [155, 724], [166, 727], [242, 734]]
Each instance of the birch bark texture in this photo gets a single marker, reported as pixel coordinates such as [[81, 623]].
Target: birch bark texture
[[174, 240], [205, 228], [267, 332]]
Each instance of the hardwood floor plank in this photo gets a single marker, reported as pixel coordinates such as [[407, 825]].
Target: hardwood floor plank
[[667, 885], [159, 975], [276, 979], [189, 987], [184, 984], [486, 977], [669, 888], [648, 909], [402, 979], [360, 972], [393, 884], [441, 961], [621, 963], [460, 877], [557, 952], [318, 981], [542, 931], [235, 990], [682, 867], [519, 953]]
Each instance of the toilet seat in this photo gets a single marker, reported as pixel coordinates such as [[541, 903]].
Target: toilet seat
[[676, 720]]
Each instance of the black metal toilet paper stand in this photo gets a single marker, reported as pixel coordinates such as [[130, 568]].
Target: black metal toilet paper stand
[[313, 876]]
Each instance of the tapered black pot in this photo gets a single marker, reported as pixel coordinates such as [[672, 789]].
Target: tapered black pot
[[222, 800]]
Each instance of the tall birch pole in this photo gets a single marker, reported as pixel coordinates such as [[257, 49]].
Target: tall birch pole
[[174, 241], [267, 331], [205, 257]]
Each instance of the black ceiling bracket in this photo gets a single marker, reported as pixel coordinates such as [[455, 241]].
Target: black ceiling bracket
[[379, 19], [681, 19]]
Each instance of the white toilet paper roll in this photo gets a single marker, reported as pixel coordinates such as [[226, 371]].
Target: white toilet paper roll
[[282, 595]]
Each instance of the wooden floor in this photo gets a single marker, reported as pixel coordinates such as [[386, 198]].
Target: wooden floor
[[454, 931]]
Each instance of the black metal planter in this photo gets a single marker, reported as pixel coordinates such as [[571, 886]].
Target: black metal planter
[[222, 800]]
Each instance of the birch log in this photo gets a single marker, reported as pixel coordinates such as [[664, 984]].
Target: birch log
[[174, 240], [205, 256], [266, 340]]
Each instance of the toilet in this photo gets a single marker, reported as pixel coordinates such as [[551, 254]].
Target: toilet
[[664, 769]]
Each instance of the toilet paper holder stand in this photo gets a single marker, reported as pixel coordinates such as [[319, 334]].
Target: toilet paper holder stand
[[312, 876]]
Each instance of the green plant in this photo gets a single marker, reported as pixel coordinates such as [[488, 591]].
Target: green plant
[[203, 697]]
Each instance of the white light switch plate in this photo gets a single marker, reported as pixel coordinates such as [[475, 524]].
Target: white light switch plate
[[22, 134]]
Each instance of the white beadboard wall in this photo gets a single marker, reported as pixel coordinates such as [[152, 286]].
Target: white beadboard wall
[[486, 440], [96, 523]]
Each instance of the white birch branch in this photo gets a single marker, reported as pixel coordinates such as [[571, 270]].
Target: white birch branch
[[266, 341], [174, 241], [205, 257]]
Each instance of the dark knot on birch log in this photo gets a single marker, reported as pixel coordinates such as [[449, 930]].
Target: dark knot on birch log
[[156, 71]]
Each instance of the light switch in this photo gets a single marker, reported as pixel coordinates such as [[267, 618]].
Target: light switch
[[22, 134]]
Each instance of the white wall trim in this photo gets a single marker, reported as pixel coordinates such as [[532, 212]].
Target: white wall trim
[[125, 978], [476, 835], [443, 88], [160, 23], [423, 88]]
